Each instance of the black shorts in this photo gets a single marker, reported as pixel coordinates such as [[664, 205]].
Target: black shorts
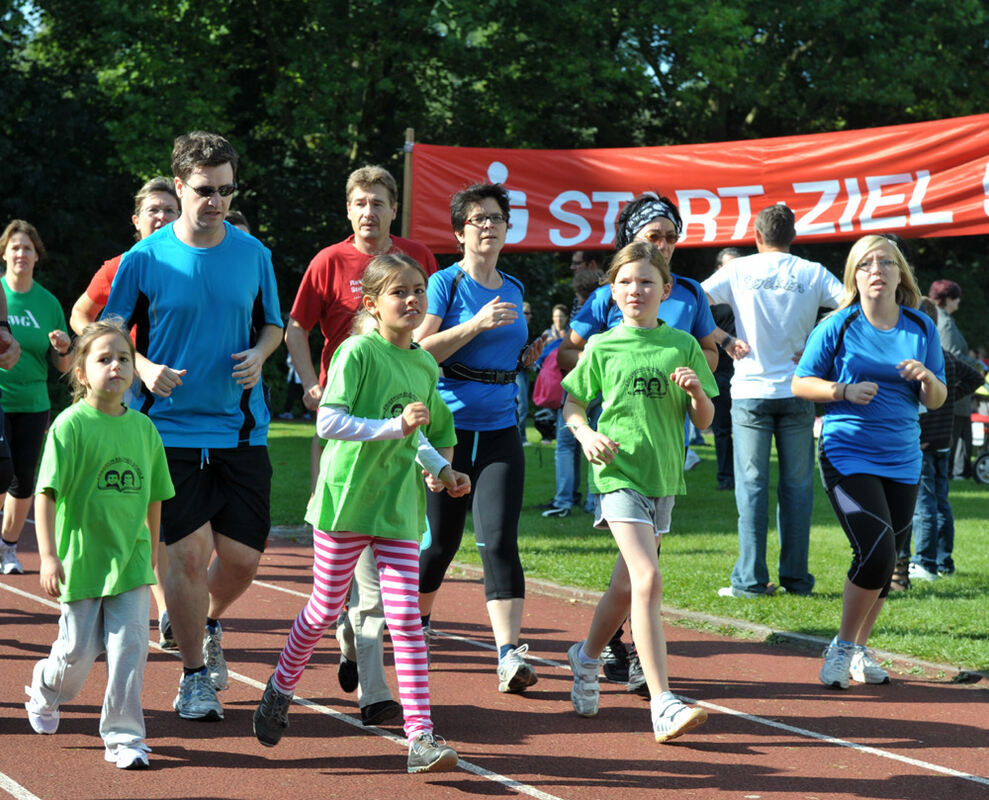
[[230, 488]]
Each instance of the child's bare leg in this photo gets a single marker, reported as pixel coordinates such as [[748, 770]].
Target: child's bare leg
[[611, 611], [637, 543]]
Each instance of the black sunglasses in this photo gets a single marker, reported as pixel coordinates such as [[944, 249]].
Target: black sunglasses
[[208, 191]]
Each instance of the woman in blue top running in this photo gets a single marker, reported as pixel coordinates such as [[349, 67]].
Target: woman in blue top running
[[873, 362], [475, 330]]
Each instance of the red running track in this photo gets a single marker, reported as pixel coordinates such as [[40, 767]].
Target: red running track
[[773, 732]]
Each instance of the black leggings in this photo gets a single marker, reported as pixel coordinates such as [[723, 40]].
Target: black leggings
[[495, 462], [25, 433], [876, 515]]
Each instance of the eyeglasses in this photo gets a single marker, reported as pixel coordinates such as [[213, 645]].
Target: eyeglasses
[[165, 211], [208, 191], [655, 237], [478, 220], [884, 264]]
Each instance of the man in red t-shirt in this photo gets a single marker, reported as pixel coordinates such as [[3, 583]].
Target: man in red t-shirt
[[330, 292], [330, 295]]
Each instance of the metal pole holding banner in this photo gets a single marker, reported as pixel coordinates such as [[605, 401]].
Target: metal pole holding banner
[[410, 137]]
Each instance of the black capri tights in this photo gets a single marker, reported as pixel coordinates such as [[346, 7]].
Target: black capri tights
[[876, 515], [496, 465], [25, 434]]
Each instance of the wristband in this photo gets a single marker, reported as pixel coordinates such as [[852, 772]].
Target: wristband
[[844, 388], [5, 324], [724, 342]]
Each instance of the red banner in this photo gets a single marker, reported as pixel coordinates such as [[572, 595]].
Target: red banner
[[919, 180]]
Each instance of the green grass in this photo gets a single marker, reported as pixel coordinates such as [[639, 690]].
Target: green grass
[[940, 621]]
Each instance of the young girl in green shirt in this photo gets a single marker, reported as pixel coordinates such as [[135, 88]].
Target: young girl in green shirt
[[97, 512], [649, 376]]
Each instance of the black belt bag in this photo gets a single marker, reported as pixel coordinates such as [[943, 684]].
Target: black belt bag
[[462, 373]]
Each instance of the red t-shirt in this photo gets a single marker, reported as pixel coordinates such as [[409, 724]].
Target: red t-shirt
[[99, 287], [330, 292]]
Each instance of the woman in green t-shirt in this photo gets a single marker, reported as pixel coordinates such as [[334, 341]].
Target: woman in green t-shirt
[[38, 324]]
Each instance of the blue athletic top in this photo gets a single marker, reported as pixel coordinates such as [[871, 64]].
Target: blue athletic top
[[686, 309], [882, 437], [479, 406], [194, 307]]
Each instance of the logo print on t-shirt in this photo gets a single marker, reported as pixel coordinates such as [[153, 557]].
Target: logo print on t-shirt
[[394, 405], [121, 475], [648, 382]]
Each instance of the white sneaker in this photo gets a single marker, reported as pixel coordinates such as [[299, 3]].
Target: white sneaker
[[674, 718], [917, 572], [864, 669], [514, 674], [43, 718], [129, 757], [691, 460], [586, 692], [837, 664], [216, 664], [9, 562]]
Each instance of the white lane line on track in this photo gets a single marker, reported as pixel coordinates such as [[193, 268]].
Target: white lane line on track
[[525, 789], [862, 748], [20, 793], [15, 790]]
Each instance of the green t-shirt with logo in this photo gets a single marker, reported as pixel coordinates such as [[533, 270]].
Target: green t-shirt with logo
[[32, 315], [642, 409], [104, 471], [375, 487]]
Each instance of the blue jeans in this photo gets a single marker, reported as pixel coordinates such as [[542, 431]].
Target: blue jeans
[[755, 423], [722, 430], [933, 522], [567, 457]]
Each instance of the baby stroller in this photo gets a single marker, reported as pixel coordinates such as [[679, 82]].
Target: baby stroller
[[980, 433]]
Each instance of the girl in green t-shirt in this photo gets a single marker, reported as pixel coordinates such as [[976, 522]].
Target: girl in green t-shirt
[[97, 511], [380, 389], [649, 376]]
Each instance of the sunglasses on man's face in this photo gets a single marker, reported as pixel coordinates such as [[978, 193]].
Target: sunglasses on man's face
[[208, 191]]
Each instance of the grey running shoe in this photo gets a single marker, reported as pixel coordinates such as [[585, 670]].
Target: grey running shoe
[[9, 561], [216, 664], [586, 691], [428, 755], [675, 718], [864, 668], [271, 716], [197, 699], [166, 640], [837, 664], [514, 674]]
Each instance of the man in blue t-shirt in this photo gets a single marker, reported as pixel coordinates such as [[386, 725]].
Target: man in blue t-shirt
[[202, 294]]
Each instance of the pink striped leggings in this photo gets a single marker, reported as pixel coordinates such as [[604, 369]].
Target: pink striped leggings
[[336, 556]]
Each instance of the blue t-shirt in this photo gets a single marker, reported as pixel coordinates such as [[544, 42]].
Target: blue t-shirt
[[882, 437], [479, 406], [194, 307], [686, 309]]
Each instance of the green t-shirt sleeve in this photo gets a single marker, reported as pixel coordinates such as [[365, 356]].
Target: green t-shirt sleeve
[[161, 479], [49, 475], [440, 430], [698, 363], [583, 381]]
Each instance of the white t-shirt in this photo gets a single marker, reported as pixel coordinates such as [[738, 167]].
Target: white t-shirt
[[775, 297]]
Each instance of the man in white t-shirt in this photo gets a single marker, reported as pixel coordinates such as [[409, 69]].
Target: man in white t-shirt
[[775, 297]]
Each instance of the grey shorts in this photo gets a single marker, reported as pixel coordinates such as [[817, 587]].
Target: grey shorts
[[627, 505]]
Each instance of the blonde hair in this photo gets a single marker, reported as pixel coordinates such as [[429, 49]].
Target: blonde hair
[[377, 278], [84, 343], [907, 293], [640, 251]]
